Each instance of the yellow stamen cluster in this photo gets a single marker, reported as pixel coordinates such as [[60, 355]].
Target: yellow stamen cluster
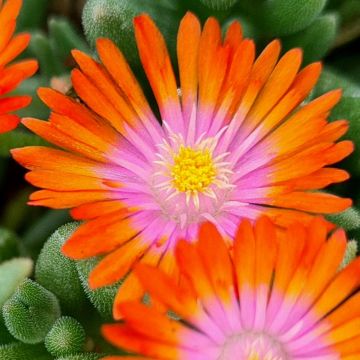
[[193, 170]]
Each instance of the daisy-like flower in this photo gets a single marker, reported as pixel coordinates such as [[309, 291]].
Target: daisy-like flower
[[270, 298], [233, 143], [12, 75]]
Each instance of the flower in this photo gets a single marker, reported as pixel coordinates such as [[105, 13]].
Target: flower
[[271, 297], [233, 144], [12, 75]]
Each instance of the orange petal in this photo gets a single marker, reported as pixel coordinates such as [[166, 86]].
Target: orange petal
[[291, 247], [123, 337], [187, 52], [276, 86], [8, 122], [15, 47], [100, 236], [52, 133], [130, 290], [156, 62], [96, 100], [97, 209], [348, 310], [341, 287], [313, 202], [165, 289], [66, 199], [192, 268], [64, 105], [69, 182], [215, 257], [244, 255], [266, 243], [157, 326], [260, 73], [10, 10], [116, 265], [326, 264], [14, 103], [319, 179], [45, 158], [234, 35]]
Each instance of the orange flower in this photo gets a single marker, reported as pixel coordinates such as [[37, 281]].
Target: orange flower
[[236, 142], [271, 298], [12, 75]]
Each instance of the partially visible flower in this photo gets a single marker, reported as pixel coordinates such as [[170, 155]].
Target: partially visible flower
[[12, 75], [269, 298], [235, 142]]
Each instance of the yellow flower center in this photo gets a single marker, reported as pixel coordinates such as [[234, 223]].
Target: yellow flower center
[[254, 356], [193, 170]]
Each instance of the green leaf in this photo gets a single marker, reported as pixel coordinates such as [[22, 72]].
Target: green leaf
[[84, 356], [48, 63], [248, 27], [37, 9], [348, 219], [31, 312], [12, 273], [64, 38], [9, 244], [331, 79], [284, 17], [114, 19], [67, 337], [316, 39], [350, 253], [219, 4], [349, 108], [101, 298], [19, 351], [65, 284], [5, 336], [18, 138]]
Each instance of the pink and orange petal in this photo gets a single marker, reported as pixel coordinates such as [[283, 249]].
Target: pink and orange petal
[[278, 297]]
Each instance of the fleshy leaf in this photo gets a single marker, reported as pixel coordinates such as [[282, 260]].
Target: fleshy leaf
[[65, 284], [30, 313], [8, 244], [102, 298], [12, 273], [66, 337]]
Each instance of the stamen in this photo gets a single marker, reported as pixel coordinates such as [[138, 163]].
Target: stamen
[[193, 170], [185, 174]]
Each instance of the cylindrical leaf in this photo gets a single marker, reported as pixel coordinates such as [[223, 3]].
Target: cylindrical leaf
[[12, 273], [8, 244], [19, 351], [219, 4], [58, 273], [66, 337], [316, 39], [114, 19], [31, 312], [283, 17], [102, 298]]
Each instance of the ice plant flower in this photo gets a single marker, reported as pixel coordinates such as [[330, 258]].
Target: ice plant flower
[[269, 298], [233, 142], [12, 75]]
